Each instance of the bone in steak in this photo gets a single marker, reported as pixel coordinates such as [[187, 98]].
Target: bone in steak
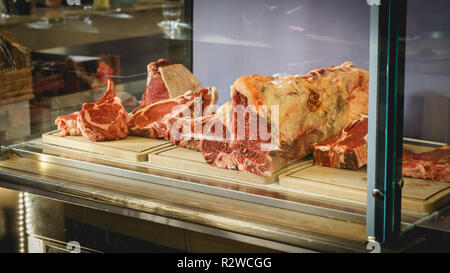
[[434, 164], [156, 120], [311, 108], [67, 124], [166, 80], [104, 119], [347, 150], [190, 132]]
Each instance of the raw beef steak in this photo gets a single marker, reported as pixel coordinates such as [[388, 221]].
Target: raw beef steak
[[434, 164], [190, 133], [156, 120], [68, 125], [104, 119], [347, 150], [166, 80]]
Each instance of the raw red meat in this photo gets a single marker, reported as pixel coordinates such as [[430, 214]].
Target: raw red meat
[[311, 108], [434, 164], [156, 120], [104, 119], [190, 133], [221, 150], [347, 150], [68, 125], [166, 80]]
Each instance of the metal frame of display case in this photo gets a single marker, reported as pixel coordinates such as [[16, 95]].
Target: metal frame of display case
[[386, 96], [384, 183]]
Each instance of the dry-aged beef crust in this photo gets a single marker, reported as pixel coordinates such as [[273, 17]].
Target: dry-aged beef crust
[[104, 119], [311, 108]]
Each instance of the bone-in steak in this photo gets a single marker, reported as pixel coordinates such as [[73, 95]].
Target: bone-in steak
[[347, 150], [166, 80], [104, 119], [434, 164], [156, 120]]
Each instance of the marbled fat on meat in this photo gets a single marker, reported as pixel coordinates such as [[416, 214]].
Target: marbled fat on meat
[[166, 80], [347, 150], [434, 164], [67, 125], [156, 120], [104, 119]]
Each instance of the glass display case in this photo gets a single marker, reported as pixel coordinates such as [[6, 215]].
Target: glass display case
[[305, 57]]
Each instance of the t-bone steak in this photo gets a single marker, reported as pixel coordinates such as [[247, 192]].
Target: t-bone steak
[[104, 119], [156, 120], [166, 80], [67, 125], [347, 150], [310, 108]]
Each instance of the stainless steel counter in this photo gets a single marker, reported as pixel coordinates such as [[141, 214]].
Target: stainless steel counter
[[270, 219]]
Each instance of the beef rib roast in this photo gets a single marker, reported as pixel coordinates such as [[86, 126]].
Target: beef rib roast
[[311, 108]]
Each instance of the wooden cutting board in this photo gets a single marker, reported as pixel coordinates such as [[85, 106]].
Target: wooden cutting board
[[338, 184], [419, 195], [131, 148], [191, 162]]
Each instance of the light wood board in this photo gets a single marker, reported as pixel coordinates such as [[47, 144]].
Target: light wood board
[[418, 195], [191, 162], [131, 148]]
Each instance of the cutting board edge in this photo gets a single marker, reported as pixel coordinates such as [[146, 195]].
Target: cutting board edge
[[428, 205], [162, 161], [124, 154], [217, 173]]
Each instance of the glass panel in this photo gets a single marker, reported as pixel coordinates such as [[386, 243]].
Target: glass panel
[[69, 52], [276, 38], [74, 49], [427, 79]]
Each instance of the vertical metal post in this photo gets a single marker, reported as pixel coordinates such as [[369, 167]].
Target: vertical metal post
[[189, 40], [386, 87]]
